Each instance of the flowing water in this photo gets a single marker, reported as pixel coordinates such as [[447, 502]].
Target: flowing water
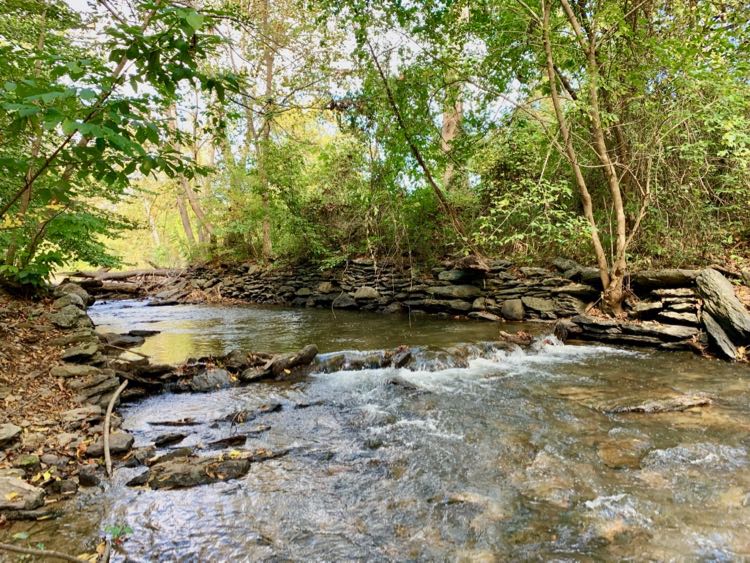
[[510, 458]]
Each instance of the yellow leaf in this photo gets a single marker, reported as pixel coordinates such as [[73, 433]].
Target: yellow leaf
[[11, 496], [286, 371], [47, 475]]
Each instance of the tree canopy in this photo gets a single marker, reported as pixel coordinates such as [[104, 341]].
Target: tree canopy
[[612, 131]]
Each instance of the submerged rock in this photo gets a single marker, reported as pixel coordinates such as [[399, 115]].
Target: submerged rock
[[670, 404], [700, 455], [624, 449]]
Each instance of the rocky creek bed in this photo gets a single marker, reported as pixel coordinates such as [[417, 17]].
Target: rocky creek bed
[[393, 401]]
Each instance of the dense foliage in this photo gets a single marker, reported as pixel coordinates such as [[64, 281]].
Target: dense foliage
[[616, 132]]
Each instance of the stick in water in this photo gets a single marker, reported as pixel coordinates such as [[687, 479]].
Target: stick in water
[[45, 553], [107, 419]]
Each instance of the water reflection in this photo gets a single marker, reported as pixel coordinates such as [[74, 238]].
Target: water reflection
[[189, 330]]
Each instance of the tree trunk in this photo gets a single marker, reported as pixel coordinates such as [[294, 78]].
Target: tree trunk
[[36, 144], [453, 111], [148, 208], [452, 116], [187, 227], [570, 152], [268, 61], [613, 292]]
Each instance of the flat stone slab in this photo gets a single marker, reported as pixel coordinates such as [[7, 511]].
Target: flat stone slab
[[647, 333], [81, 353], [667, 278], [669, 404], [455, 291]]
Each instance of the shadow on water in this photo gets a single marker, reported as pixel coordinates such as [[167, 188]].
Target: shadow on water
[[512, 458]]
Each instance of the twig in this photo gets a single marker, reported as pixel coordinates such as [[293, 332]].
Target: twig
[[126, 350], [39, 552], [107, 419]]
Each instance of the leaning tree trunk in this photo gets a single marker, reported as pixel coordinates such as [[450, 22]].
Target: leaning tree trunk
[[268, 61], [571, 154]]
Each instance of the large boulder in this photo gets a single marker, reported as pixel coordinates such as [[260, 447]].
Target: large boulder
[[512, 310], [723, 306], [69, 299], [366, 292], [210, 380], [16, 494], [69, 316], [719, 341], [68, 288], [119, 443]]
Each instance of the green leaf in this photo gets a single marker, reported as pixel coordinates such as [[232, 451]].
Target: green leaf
[[69, 127], [194, 20], [87, 94]]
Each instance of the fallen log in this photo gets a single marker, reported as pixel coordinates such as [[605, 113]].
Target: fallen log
[[120, 287], [103, 276]]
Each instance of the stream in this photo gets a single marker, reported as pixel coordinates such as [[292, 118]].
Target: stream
[[512, 458]]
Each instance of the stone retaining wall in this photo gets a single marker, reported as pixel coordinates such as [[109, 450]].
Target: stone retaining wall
[[502, 292]]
